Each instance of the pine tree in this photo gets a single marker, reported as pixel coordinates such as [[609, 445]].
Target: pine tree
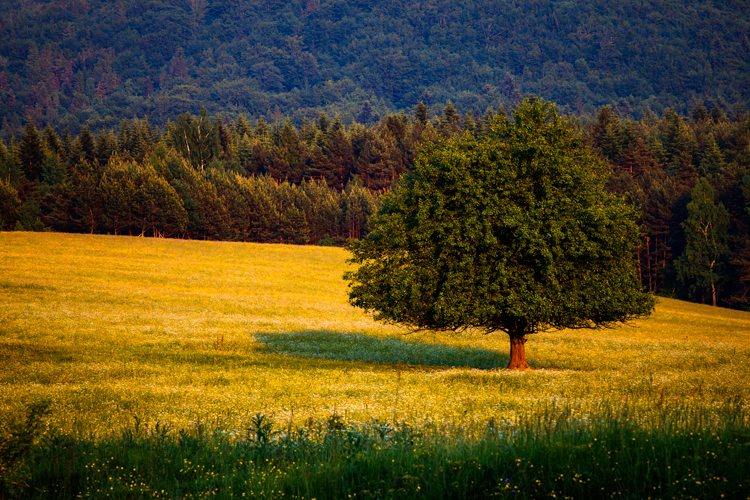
[[9, 205], [160, 210], [85, 201], [10, 172], [51, 141], [675, 141], [657, 215], [117, 190], [241, 127], [366, 114], [359, 205], [106, 144], [31, 153], [261, 130], [469, 123], [323, 123], [86, 146], [244, 154], [294, 227], [197, 139], [713, 161], [421, 113], [700, 113], [717, 114], [450, 121], [53, 170]]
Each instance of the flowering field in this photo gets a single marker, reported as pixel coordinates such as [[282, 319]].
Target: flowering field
[[191, 335]]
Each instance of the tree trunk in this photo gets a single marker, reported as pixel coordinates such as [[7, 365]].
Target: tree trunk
[[713, 292], [518, 353]]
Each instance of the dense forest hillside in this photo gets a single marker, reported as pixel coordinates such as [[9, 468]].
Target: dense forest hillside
[[318, 183], [76, 63]]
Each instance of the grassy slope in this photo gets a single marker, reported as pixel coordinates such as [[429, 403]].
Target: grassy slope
[[180, 331]]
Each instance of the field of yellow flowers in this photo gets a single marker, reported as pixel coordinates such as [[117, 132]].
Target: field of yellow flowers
[[175, 334]]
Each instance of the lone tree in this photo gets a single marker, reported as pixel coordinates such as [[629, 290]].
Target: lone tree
[[508, 232]]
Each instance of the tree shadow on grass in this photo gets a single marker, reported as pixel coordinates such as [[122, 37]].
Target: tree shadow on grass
[[370, 349]]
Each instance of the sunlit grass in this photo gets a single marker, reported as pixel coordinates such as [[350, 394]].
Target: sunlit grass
[[204, 336], [182, 331]]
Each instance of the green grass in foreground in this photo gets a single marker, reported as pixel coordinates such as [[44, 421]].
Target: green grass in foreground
[[202, 337]]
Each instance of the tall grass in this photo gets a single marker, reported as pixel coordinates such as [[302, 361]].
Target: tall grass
[[683, 453], [202, 337]]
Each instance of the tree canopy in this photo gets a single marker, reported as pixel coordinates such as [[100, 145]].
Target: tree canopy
[[95, 62], [512, 232]]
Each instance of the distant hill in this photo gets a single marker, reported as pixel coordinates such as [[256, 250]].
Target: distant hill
[[74, 62]]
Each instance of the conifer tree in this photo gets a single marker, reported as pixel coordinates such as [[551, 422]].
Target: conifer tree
[[366, 114], [421, 113], [53, 170], [241, 126], [713, 161], [31, 153], [10, 172], [117, 190], [9, 205], [51, 141], [293, 226], [85, 201], [450, 121], [85, 146]]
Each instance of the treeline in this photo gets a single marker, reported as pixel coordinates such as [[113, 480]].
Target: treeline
[[206, 178], [690, 178], [199, 179], [76, 63]]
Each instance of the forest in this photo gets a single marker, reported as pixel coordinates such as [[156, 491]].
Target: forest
[[92, 63], [204, 178]]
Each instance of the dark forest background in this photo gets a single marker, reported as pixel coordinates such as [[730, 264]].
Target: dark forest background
[[76, 63], [319, 183]]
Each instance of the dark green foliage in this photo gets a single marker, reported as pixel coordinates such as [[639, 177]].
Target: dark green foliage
[[29, 216], [17, 440], [706, 230], [511, 231], [85, 147], [713, 161], [196, 139], [552, 453], [421, 113], [252, 178], [96, 63], [293, 227], [53, 170], [85, 204], [9, 204], [136, 200], [9, 169], [31, 153], [450, 121]]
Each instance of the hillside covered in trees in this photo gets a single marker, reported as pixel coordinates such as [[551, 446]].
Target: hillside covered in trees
[[76, 63], [319, 183]]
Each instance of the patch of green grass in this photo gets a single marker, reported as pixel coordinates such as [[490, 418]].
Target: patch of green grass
[[186, 333], [550, 454], [374, 349]]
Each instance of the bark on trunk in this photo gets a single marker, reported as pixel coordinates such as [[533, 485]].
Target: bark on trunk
[[713, 292], [518, 353]]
